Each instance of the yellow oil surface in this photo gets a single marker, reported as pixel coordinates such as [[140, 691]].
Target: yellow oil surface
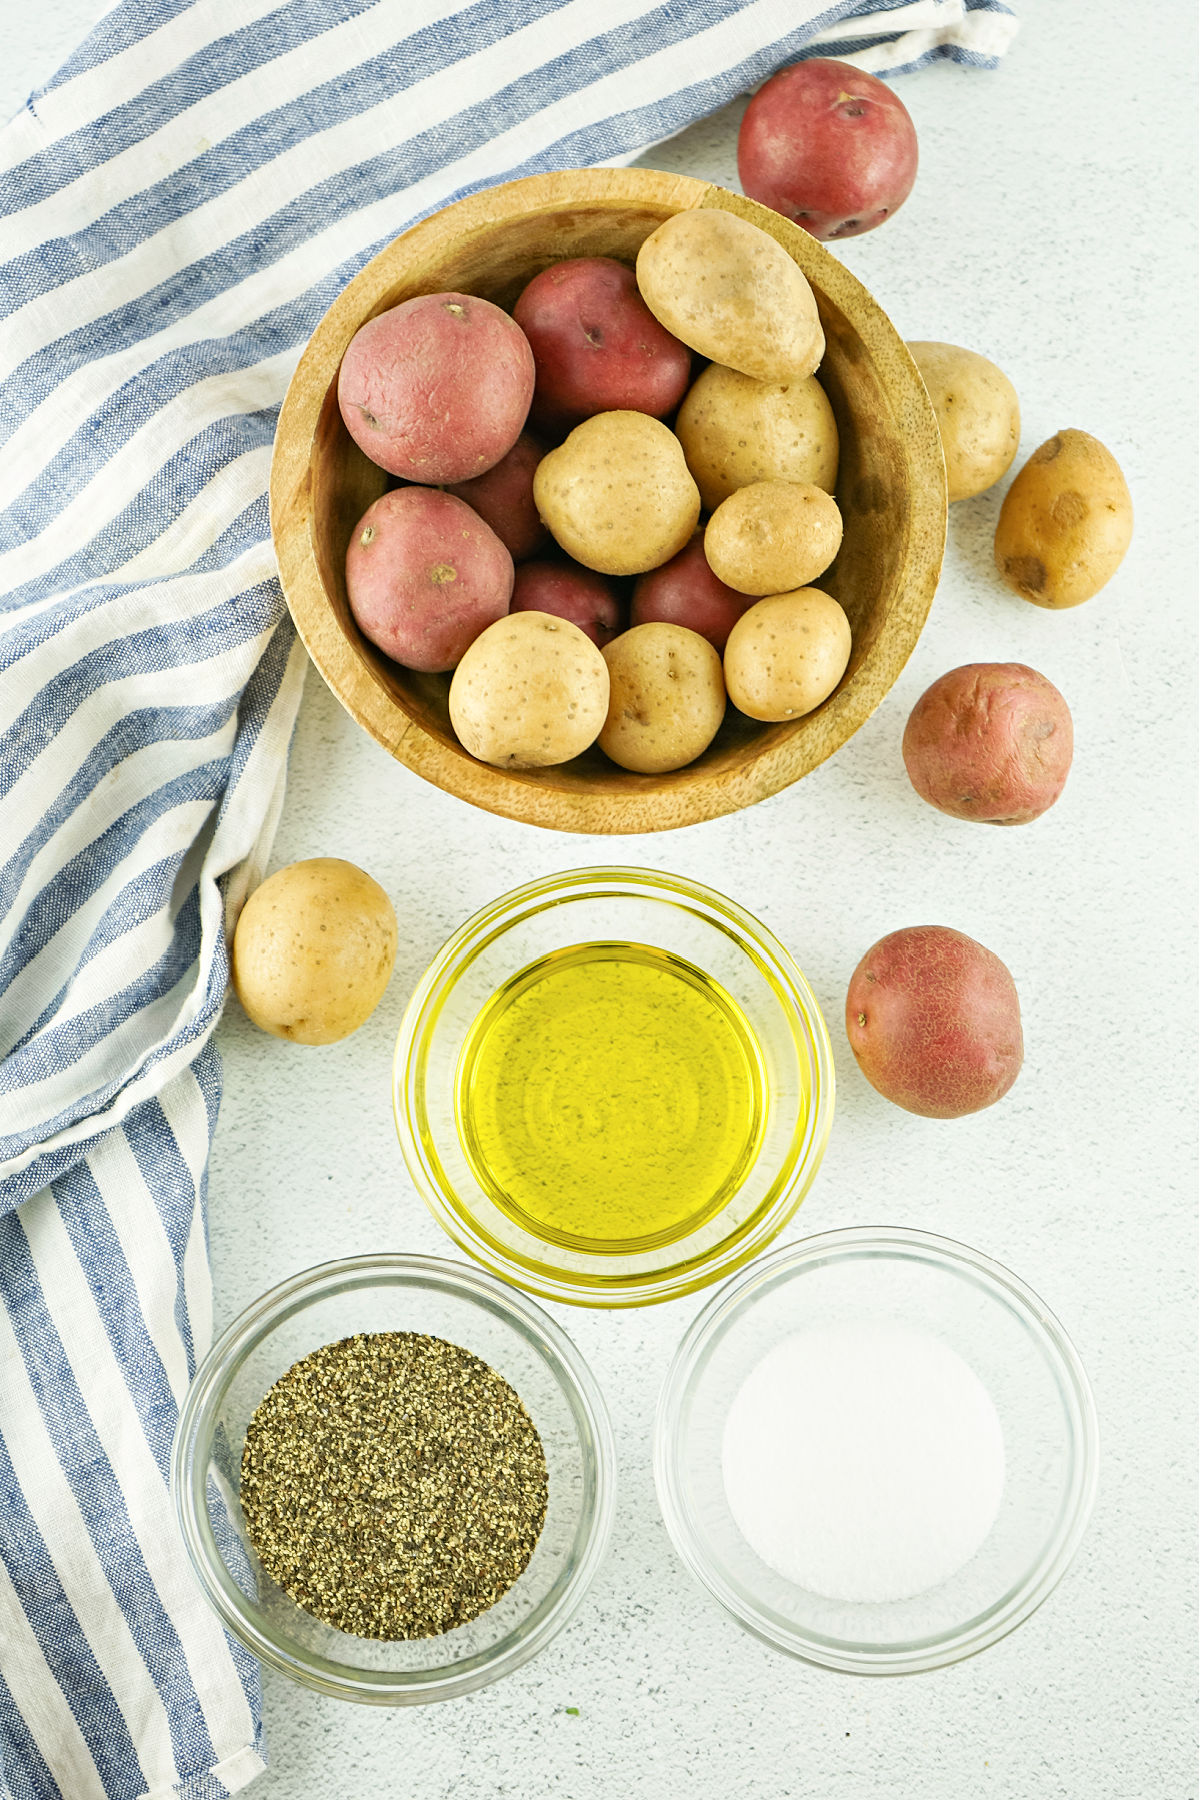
[[610, 1095]]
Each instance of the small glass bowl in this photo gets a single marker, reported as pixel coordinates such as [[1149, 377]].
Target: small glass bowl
[[616, 905], [394, 1293], [1014, 1345]]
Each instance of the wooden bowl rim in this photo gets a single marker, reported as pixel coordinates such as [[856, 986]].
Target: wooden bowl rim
[[692, 794]]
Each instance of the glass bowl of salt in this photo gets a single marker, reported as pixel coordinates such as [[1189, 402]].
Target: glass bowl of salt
[[877, 1449]]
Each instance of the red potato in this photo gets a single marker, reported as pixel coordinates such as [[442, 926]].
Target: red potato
[[424, 576], [438, 388], [503, 498], [934, 1022], [569, 591], [829, 146], [597, 346], [685, 592], [990, 742]]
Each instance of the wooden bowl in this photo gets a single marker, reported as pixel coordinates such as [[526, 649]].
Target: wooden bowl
[[891, 489]]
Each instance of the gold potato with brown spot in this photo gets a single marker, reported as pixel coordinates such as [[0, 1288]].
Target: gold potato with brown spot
[[314, 950], [666, 698], [727, 289], [617, 495], [531, 691], [978, 415], [787, 654], [773, 536], [1066, 522], [735, 430]]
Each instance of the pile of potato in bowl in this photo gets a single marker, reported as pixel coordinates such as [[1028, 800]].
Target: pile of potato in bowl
[[545, 542], [890, 492]]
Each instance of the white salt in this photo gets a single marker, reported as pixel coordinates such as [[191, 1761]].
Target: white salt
[[864, 1461]]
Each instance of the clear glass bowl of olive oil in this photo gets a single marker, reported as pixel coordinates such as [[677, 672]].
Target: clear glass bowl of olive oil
[[613, 1086]]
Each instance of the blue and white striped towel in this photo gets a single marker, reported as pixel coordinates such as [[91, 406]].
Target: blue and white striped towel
[[168, 243]]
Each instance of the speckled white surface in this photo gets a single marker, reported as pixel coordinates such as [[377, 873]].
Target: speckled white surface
[[1051, 228]]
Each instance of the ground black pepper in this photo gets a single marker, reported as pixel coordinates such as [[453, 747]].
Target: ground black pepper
[[393, 1484]]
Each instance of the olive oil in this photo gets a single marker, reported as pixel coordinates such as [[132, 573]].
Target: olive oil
[[610, 1096]]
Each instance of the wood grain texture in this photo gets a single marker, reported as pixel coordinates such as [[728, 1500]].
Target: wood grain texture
[[891, 490]]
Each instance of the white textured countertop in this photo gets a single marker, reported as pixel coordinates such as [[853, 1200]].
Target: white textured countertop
[[1051, 229]]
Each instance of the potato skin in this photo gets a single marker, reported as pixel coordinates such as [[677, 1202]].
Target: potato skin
[[596, 345], [978, 415], [424, 576], [1066, 522], [503, 498], [531, 691], [314, 950], [728, 290], [685, 592], [990, 742], [787, 654], [934, 1022], [567, 591], [437, 389], [773, 536], [617, 495], [735, 430], [666, 698]]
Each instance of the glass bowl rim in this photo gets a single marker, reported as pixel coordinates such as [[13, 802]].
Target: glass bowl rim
[[809, 1033], [888, 1242], [210, 1384]]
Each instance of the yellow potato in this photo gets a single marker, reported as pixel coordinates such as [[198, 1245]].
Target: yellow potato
[[787, 654], [728, 290], [313, 951], [735, 430], [617, 494], [532, 690], [1065, 523], [666, 698], [978, 415], [773, 536]]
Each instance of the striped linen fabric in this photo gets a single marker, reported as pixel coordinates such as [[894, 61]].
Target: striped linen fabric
[[168, 242]]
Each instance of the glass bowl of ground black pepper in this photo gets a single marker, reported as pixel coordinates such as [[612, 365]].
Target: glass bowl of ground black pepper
[[394, 1479], [613, 1086]]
